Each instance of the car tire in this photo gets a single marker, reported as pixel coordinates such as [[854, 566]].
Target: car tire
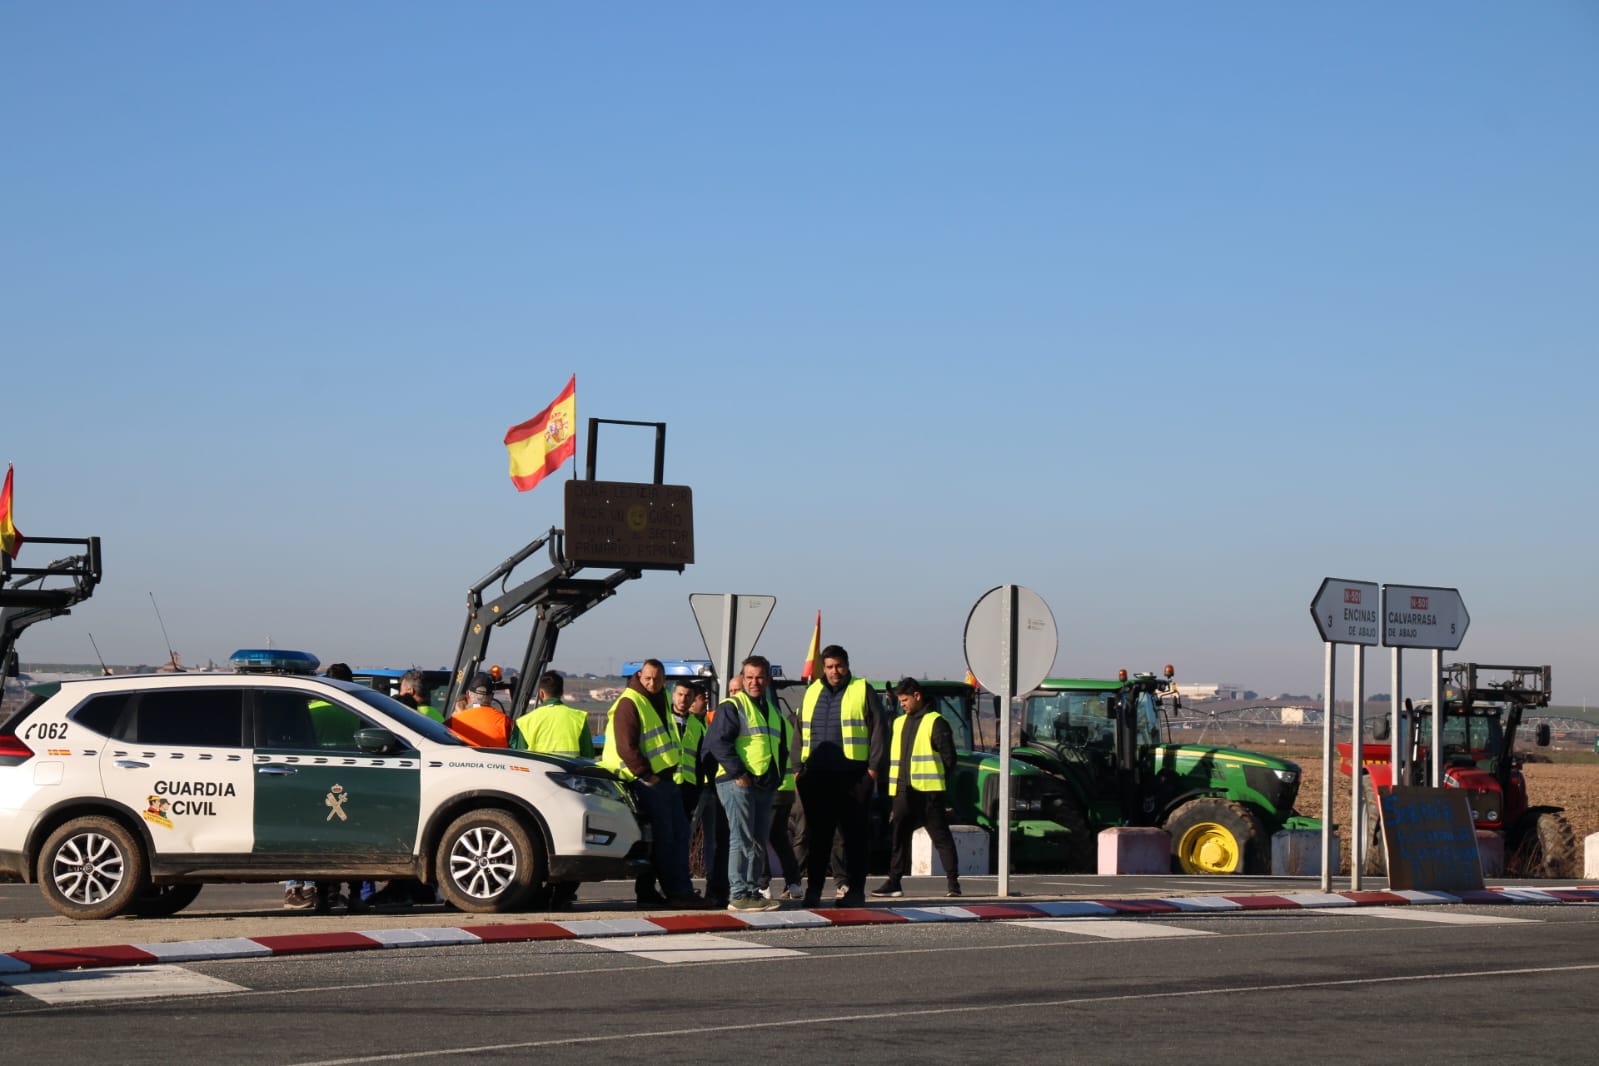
[[488, 863], [163, 901], [92, 868]]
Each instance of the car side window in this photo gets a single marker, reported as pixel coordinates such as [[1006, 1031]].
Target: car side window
[[300, 720], [194, 717], [102, 713]]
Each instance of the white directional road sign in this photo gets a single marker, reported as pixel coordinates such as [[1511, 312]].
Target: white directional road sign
[[1348, 612], [1421, 616]]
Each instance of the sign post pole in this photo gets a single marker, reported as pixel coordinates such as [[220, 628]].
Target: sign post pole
[[1357, 748], [1327, 704], [1011, 642], [1345, 612]]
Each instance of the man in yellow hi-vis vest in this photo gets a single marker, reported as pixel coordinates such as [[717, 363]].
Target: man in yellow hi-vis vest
[[921, 763], [842, 745], [642, 747], [746, 740]]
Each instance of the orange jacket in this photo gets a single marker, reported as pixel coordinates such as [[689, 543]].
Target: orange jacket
[[481, 727]]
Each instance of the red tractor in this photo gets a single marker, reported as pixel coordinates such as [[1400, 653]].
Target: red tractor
[[1483, 709]]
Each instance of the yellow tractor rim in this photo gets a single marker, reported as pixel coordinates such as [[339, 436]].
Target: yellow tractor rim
[[1209, 848]]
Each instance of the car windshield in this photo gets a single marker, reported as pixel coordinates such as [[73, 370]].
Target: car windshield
[[1479, 736], [392, 708]]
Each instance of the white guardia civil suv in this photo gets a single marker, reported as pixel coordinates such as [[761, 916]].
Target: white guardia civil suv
[[127, 794]]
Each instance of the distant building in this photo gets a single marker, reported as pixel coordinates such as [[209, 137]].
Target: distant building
[[1218, 691]]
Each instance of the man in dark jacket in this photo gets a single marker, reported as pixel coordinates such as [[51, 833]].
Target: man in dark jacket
[[842, 752], [746, 740], [921, 765], [642, 747]]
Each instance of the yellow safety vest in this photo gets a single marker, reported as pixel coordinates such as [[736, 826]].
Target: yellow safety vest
[[927, 766], [688, 764], [553, 728], [658, 741], [757, 739], [789, 782], [852, 719]]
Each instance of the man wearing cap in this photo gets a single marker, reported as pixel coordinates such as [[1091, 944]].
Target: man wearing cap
[[921, 763], [480, 723], [842, 751], [642, 747]]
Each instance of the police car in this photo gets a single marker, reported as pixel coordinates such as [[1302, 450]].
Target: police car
[[126, 794]]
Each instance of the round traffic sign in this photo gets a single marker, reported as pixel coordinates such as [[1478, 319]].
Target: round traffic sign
[[1010, 640]]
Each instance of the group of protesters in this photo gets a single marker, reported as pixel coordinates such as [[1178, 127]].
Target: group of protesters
[[728, 768], [734, 768]]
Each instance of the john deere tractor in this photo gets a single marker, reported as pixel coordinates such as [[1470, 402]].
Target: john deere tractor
[[1106, 741]]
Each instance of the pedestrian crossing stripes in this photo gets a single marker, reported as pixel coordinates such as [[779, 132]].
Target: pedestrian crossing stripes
[[1113, 929], [1441, 917], [118, 982], [693, 947]]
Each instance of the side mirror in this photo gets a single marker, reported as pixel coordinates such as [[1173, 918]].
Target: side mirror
[[1383, 729], [377, 741], [1542, 734]]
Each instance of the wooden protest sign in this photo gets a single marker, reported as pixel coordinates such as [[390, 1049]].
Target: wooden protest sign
[[1430, 839]]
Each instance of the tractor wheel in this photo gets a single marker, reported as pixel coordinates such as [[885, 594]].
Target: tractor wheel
[[91, 868], [163, 901], [1376, 863], [487, 862], [1542, 845], [1213, 836]]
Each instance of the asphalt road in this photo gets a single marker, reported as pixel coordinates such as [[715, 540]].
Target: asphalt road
[[1411, 985]]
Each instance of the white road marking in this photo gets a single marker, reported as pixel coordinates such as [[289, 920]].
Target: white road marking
[[1276, 989], [119, 982], [694, 947], [1412, 914], [1111, 929]]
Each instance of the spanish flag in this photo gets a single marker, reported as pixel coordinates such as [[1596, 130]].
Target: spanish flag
[[812, 670], [541, 444], [10, 536]]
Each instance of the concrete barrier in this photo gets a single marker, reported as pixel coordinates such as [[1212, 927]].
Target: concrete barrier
[[1491, 848], [1297, 853], [971, 852], [1128, 849], [1590, 856]]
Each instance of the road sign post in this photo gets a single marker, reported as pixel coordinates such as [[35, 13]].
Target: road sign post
[[1011, 642], [1346, 612], [1421, 616], [730, 625]]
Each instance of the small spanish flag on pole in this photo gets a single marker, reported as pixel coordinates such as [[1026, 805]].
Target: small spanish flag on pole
[[813, 658], [11, 537], [541, 444]]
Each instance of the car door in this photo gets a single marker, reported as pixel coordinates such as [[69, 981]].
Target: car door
[[179, 758], [317, 793]]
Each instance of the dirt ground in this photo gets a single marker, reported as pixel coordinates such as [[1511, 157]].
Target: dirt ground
[[1576, 788]]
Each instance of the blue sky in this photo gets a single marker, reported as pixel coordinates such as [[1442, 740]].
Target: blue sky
[[1166, 311]]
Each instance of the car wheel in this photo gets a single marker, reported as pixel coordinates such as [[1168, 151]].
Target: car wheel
[[488, 863], [162, 901], [91, 868]]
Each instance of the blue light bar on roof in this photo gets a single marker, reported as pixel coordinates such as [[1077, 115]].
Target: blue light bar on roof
[[273, 661]]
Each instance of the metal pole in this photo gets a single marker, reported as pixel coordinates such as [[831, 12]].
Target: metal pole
[[1437, 718], [1007, 682], [1327, 855], [1396, 750], [729, 619], [1358, 762]]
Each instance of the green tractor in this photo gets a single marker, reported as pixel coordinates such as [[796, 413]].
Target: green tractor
[[1047, 830], [1106, 741]]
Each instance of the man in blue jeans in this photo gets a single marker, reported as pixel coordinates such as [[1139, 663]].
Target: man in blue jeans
[[746, 741]]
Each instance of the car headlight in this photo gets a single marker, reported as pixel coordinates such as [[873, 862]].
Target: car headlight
[[1287, 777], [588, 786]]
